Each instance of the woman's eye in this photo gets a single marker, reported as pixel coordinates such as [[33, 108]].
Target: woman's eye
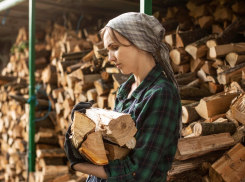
[[114, 48]]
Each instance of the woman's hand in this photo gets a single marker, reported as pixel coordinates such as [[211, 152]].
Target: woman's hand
[[72, 153], [81, 107]]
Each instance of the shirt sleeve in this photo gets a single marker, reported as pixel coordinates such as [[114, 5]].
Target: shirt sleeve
[[158, 126]]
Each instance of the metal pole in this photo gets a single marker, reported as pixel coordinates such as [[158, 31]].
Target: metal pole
[[146, 6], [32, 97], [9, 3]]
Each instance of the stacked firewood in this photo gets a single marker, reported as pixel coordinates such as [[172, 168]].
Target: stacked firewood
[[209, 62], [69, 69]]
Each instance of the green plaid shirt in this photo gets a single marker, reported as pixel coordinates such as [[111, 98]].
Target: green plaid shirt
[[155, 106]]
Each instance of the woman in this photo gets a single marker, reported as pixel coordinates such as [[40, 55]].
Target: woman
[[150, 96]]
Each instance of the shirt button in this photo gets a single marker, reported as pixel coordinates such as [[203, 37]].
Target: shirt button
[[134, 173]]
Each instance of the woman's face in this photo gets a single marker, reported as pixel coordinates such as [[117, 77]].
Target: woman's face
[[125, 58]]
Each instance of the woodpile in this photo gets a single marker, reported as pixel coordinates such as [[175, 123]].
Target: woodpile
[[208, 58]]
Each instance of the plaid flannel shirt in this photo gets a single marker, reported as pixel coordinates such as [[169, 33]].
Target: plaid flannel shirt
[[155, 106]]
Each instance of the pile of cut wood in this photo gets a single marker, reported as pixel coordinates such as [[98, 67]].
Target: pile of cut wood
[[209, 60]]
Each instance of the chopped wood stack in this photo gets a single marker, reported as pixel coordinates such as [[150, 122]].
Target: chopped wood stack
[[208, 59]]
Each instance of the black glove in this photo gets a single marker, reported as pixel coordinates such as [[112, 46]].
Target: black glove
[[81, 107], [72, 153]]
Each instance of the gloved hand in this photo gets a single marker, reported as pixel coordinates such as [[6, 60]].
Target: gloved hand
[[72, 153], [81, 107]]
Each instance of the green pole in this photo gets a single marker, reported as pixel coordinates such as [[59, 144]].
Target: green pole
[[146, 6], [32, 97]]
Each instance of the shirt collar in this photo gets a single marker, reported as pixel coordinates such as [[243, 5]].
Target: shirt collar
[[149, 79]]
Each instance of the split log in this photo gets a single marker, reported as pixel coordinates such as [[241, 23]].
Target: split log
[[199, 49], [81, 127], [115, 152], [93, 149], [226, 76], [195, 65], [222, 14], [223, 50], [216, 104], [214, 118], [231, 118], [102, 87], [75, 55], [188, 130], [197, 145], [116, 127], [119, 78], [184, 79], [92, 94], [237, 109], [239, 136], [229, 35], [230, 167], [193, 164], [213, 128], [50, 153], [192, 92], [102, 101], [49, 75], [215, 88], [189, 113], [206, 21], [234, 59], [179, 56], [186, 38], [183, 68], [208, 68], [237, 7]]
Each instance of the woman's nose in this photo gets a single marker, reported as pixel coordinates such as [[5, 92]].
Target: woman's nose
[[111, 57]]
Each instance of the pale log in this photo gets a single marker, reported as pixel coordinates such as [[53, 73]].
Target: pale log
[[49, 75], [190, 146], [239, 135], [119, 78], [92, 94], [195, 65], [227, 75], [216, 104], [102, 101], [234, 59], [231, 118], [237, 108], [102, 87], [115, 152], [179, 56], [50, 152], [199, 49], [223, 50], [183, 68], [215, 88], [213, 128], [93, 149], [189, 113], [188, 130], [46, 137], [230, 167], [80, 127], [75, 55], [208, 68], [214, 118], [117, 127]]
